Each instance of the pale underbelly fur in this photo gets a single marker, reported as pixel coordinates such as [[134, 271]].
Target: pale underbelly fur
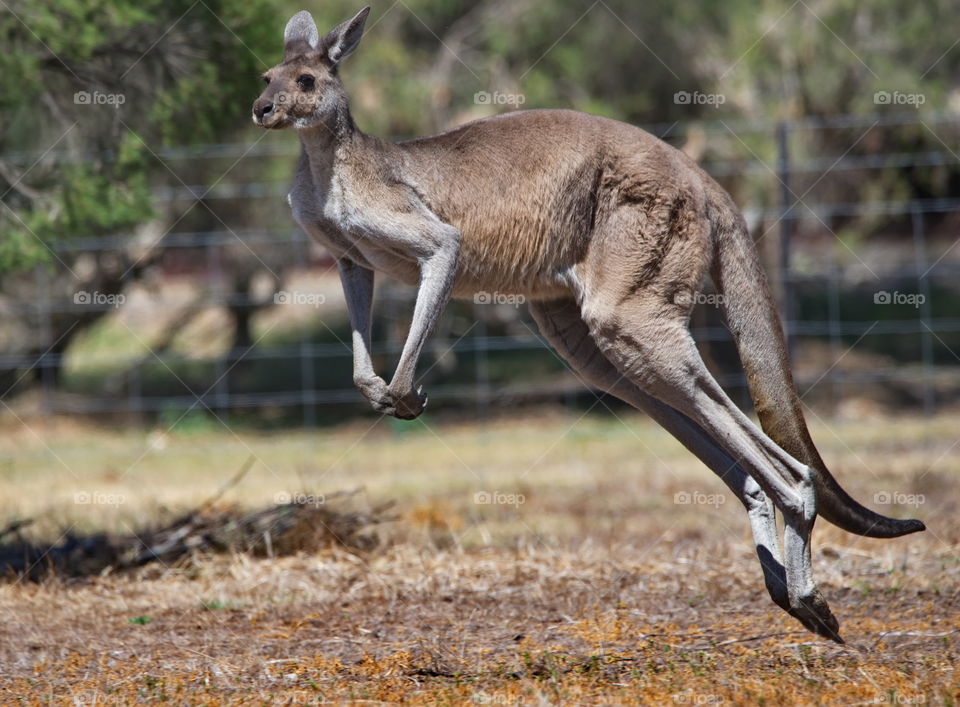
[[475, 277]]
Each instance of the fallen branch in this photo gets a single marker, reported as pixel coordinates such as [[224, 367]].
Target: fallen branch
[[305, 523]]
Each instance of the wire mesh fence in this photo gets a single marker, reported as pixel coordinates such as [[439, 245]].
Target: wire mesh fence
[[176, 319]]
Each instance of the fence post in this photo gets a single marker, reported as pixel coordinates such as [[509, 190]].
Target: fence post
[[836, 334], [923, 284], [135, 394], [481, 348], [308, 392], [45, 325], [786, 231], [221, 395]]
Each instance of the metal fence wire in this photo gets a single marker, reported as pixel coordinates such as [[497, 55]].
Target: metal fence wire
[[869, 291]]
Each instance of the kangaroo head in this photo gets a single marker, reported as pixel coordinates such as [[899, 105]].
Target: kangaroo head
[[304, 90]]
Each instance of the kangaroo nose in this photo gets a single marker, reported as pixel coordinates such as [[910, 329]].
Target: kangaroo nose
[[263, 109]]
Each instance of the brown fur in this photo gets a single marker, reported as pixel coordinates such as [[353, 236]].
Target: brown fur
[[609, 232]]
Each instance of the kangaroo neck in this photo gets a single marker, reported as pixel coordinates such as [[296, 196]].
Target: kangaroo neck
[[328, 143]]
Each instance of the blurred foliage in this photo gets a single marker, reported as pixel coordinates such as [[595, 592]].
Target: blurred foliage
[[177, 72], [187, 73], [97, 81]]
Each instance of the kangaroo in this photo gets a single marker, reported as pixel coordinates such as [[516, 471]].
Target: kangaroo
[[608, 233]]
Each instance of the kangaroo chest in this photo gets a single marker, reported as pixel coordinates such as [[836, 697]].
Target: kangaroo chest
[[327, 216]]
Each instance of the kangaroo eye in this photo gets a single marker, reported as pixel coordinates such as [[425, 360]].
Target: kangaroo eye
[[305, 82]]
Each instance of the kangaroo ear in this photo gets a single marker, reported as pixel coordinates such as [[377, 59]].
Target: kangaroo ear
[[344, 38], [301, 35]]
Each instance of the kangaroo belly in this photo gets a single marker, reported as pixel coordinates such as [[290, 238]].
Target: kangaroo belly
[[518, 240], [528, 262]]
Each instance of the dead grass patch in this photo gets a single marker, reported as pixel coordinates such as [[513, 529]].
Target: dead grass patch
[[597, 589]]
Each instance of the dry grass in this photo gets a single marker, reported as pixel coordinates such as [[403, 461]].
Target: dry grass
[[587, 584]]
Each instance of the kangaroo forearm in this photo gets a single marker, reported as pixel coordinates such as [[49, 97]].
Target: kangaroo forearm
[[357, 284], [436, 283]]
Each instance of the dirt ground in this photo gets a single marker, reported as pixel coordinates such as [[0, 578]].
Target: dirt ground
[[549, 560]]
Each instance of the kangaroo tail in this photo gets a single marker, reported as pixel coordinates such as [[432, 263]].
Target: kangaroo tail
[[756, 328]]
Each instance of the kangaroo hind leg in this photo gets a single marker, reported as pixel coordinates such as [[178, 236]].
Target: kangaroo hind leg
[[561, 324], [647, 340]]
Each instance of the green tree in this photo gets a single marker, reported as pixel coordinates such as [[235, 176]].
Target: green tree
[[89, 91], [86, 85]]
